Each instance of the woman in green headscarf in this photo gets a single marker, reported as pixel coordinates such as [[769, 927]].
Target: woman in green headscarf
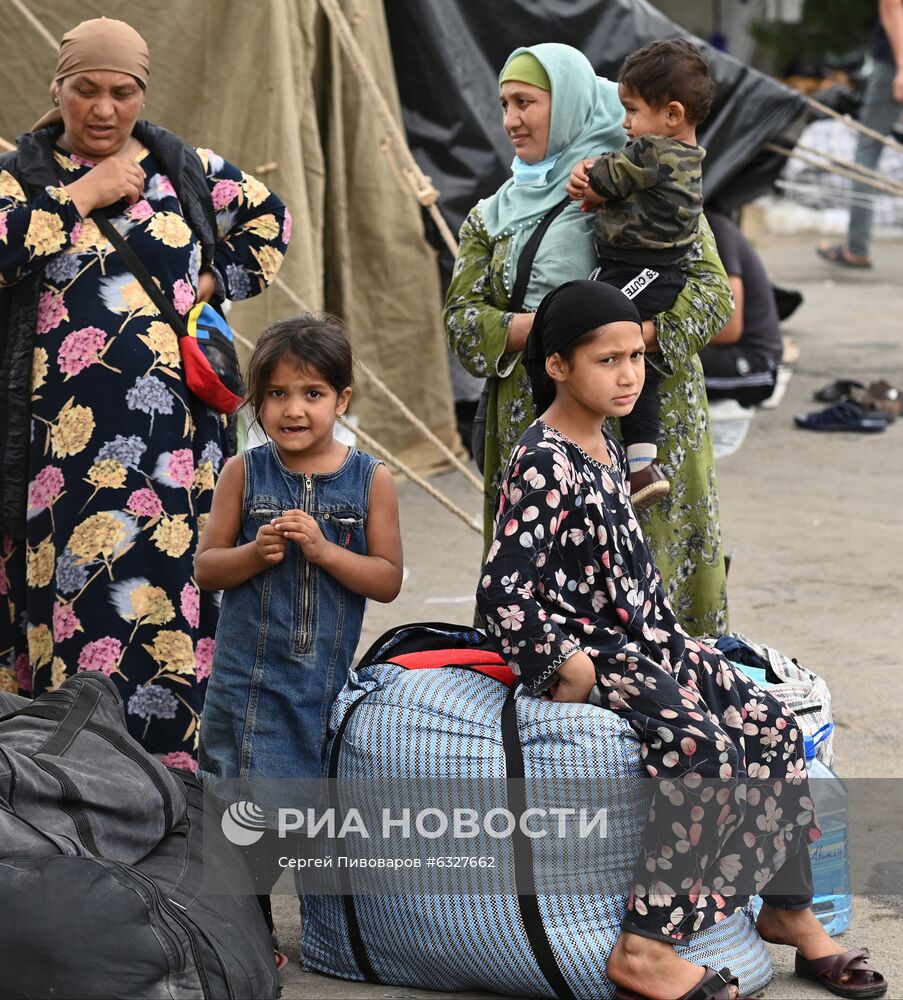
[[556, 111]]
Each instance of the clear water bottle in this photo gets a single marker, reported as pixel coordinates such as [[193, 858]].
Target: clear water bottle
[[833, 902]]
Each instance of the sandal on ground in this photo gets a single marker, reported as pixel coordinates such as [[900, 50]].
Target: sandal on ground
[[880, 396], [838, 254], [844, 416], [834, 391], [713, 986], [863, 979]]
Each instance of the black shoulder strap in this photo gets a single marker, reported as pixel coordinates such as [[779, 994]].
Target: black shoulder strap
[[525, 262], [134, 263], [523, 855]]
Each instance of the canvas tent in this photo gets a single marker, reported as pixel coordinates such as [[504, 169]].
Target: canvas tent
[[267, 85]]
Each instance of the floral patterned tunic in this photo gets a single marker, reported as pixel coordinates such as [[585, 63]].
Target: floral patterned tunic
[[123, 458], [684, 529], [570, 570]]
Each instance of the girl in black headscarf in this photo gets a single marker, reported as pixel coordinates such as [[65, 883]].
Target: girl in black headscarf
[[572, 599]]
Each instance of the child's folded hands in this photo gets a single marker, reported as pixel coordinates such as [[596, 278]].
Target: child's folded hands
[[298, 526]]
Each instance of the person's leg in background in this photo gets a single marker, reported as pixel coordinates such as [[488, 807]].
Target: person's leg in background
[[879, 112], [732, 373]]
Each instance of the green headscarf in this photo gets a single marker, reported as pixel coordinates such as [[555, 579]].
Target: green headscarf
[[587, 119]]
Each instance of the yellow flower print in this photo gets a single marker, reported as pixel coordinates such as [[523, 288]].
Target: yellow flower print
[[39, 563], [269, 259], [164, 343], [9, 683], [107, 472], [45, 233], [205, 160], [151, 605], [99, 536], [38, 368], [255, 192], [10, 187], [203, 477], [173, 536], [40, 645], [202, 520], [72, 429], [170, 229], [59, 194], [137, 300], [70, 166], [89, 237], [173, 651], [57, 673], [264, 226]]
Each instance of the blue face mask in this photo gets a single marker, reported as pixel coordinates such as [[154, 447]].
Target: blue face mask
[[532, 174]]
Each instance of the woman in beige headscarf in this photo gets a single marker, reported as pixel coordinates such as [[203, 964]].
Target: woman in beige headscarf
[[108, 461]]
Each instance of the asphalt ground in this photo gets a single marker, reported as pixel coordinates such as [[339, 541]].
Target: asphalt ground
[[814, 525]]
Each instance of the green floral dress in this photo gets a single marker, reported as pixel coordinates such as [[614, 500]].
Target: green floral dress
[[123, 457], [684, 530]]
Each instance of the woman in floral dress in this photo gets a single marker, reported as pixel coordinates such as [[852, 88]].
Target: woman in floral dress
[[122, 457], [581, 116], [573, 601]]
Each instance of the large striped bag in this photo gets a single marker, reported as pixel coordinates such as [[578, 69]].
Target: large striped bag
[[513, 929]]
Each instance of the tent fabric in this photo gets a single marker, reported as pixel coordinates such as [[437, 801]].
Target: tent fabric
[[267, 83], [447, 59]]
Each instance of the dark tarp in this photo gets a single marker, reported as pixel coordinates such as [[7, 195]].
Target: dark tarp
[[448, 54]]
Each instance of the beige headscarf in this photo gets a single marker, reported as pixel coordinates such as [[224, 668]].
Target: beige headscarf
[[99, 44]]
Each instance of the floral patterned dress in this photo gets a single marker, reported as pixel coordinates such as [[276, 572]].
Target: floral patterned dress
[[684, 529], [123, 457], [570, 570]]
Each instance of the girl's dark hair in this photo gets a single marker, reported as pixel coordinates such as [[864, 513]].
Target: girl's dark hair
[[310, 340], [674, 70]]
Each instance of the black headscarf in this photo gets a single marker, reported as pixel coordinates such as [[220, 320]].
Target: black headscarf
[[565, 314]]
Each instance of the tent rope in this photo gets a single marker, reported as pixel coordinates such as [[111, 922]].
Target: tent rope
[[36, 24], [889, 187], [853, 124], [420, 184], [390, 459], [852, 165]]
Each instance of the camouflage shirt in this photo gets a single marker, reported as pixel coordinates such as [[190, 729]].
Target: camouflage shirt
[[653, 189]]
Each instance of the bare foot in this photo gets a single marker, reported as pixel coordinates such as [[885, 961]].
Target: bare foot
[[798, 928], [840, 253], [653, 969]]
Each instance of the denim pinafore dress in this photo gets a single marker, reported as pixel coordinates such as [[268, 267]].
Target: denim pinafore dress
[[286, 637]]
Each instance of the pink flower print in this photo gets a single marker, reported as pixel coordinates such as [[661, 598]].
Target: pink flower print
[[76, 233], [145, 503], [224, 192], [3, 226], [4, 580], [45, 487], [287, 226], [140, 211], [203, 658], [65, 622], [81, 349], [180, 760], [183, 296], [23, 672], [191, 605], [181, 467], [102, 654], [51, 312]]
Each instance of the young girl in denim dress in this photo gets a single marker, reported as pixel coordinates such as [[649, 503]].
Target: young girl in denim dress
[[301, 531]]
